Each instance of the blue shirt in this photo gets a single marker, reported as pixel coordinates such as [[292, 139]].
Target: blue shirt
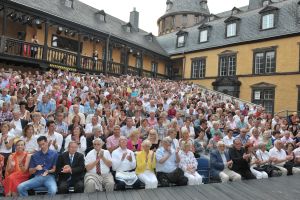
[[90, 110], [46, 108], [169, 165], [48, 161], [5, 98]]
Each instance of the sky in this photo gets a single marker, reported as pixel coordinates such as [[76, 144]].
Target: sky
[[151, 10]]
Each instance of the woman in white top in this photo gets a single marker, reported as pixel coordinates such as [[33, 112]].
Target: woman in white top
[[255, 162], [228, 139], [188, 164], [77, 135], [30, 139], [190, 127], [6, 141]]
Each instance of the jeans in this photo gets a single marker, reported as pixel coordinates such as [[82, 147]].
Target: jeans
[[36, 182]]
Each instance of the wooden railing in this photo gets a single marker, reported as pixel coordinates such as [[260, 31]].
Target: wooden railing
[[89, 63], [61, 57], [24, 49]]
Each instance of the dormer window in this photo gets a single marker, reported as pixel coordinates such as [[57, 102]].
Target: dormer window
[[181, 38], [204, 33], [169, 5], [267, 2], [235, 11], [232, 26], [212, 17], [149, 37], [69, 3], [127, 27], [101, 15], [268, 17], [268, 21], [181, 41], [231, 30]]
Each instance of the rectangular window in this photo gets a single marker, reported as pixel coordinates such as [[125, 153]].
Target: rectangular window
[[264, 62], [198, 68], [264, 97], [181, 41], [184, 20], [227, 65], [139, 62], [65, 43], [268, 21], [154, 67], [231, 30], [203, 36]]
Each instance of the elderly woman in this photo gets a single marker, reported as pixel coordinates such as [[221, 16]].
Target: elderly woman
[[77, 135], [188, 163], [153, 138], [267, 139], [16, 169], [145, 165], [190, 127], [134, 143], [38, 123], [6, 140]]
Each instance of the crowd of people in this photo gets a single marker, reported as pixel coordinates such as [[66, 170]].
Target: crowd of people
[[63, 129]]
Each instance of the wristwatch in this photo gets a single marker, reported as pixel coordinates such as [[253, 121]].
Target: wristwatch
[[5, 142]]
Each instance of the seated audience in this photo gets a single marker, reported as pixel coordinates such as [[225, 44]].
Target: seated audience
[[167, 160], [221, 164], [145, 165], [77, 135], [16, 169], [188, 164], [70, 169], [124, 163], [42, 166]]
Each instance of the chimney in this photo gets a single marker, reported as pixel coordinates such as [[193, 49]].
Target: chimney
[[134, 19], [255, 4]]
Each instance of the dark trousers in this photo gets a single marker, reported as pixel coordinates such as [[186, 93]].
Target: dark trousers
[[176, 177], [245, 173], [121, 185], [63, 187]]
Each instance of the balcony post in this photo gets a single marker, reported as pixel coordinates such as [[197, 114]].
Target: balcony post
[[78, 59], [46, 33]]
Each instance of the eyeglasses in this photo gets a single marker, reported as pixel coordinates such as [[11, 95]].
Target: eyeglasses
[[97, 144]]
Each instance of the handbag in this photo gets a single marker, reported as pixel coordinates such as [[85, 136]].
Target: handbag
[[289, 166]]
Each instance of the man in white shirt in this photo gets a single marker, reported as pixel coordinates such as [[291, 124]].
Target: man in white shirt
[[126, 130], [18, 124], [97, 164], [54, 139], [279, 157], [124, 163], [76, 112], [89, 127]]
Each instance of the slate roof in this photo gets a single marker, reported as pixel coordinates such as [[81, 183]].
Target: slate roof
[[186, 6], [85, 15], [249, 29]]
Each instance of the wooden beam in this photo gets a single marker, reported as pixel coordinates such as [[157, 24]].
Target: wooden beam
[[4, 20], [46, 33]]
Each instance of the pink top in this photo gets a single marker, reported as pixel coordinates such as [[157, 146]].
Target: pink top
[[132, 148], [112, 142]]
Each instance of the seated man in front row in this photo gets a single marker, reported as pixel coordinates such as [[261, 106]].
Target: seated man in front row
[[42, 165], [221, 164], [167, 160], [70, 170], [97, 164]]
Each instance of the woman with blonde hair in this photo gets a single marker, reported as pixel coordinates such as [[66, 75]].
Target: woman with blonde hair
[[145, 165], [188, 163], [134, 142], [153, 138]]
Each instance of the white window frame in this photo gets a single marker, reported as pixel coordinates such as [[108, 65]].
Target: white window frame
[[268, 21], [231, 29], [203, 35], [181, 41]]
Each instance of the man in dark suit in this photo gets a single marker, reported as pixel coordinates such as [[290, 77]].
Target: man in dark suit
[[221, 164], [241, 160], [70, 170]]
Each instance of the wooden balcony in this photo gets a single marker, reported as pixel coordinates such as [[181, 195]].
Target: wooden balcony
[[13, 49]]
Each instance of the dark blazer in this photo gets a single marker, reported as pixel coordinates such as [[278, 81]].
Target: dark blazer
[[216, 162], [239, 164], [23, 123], [78, 167]]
